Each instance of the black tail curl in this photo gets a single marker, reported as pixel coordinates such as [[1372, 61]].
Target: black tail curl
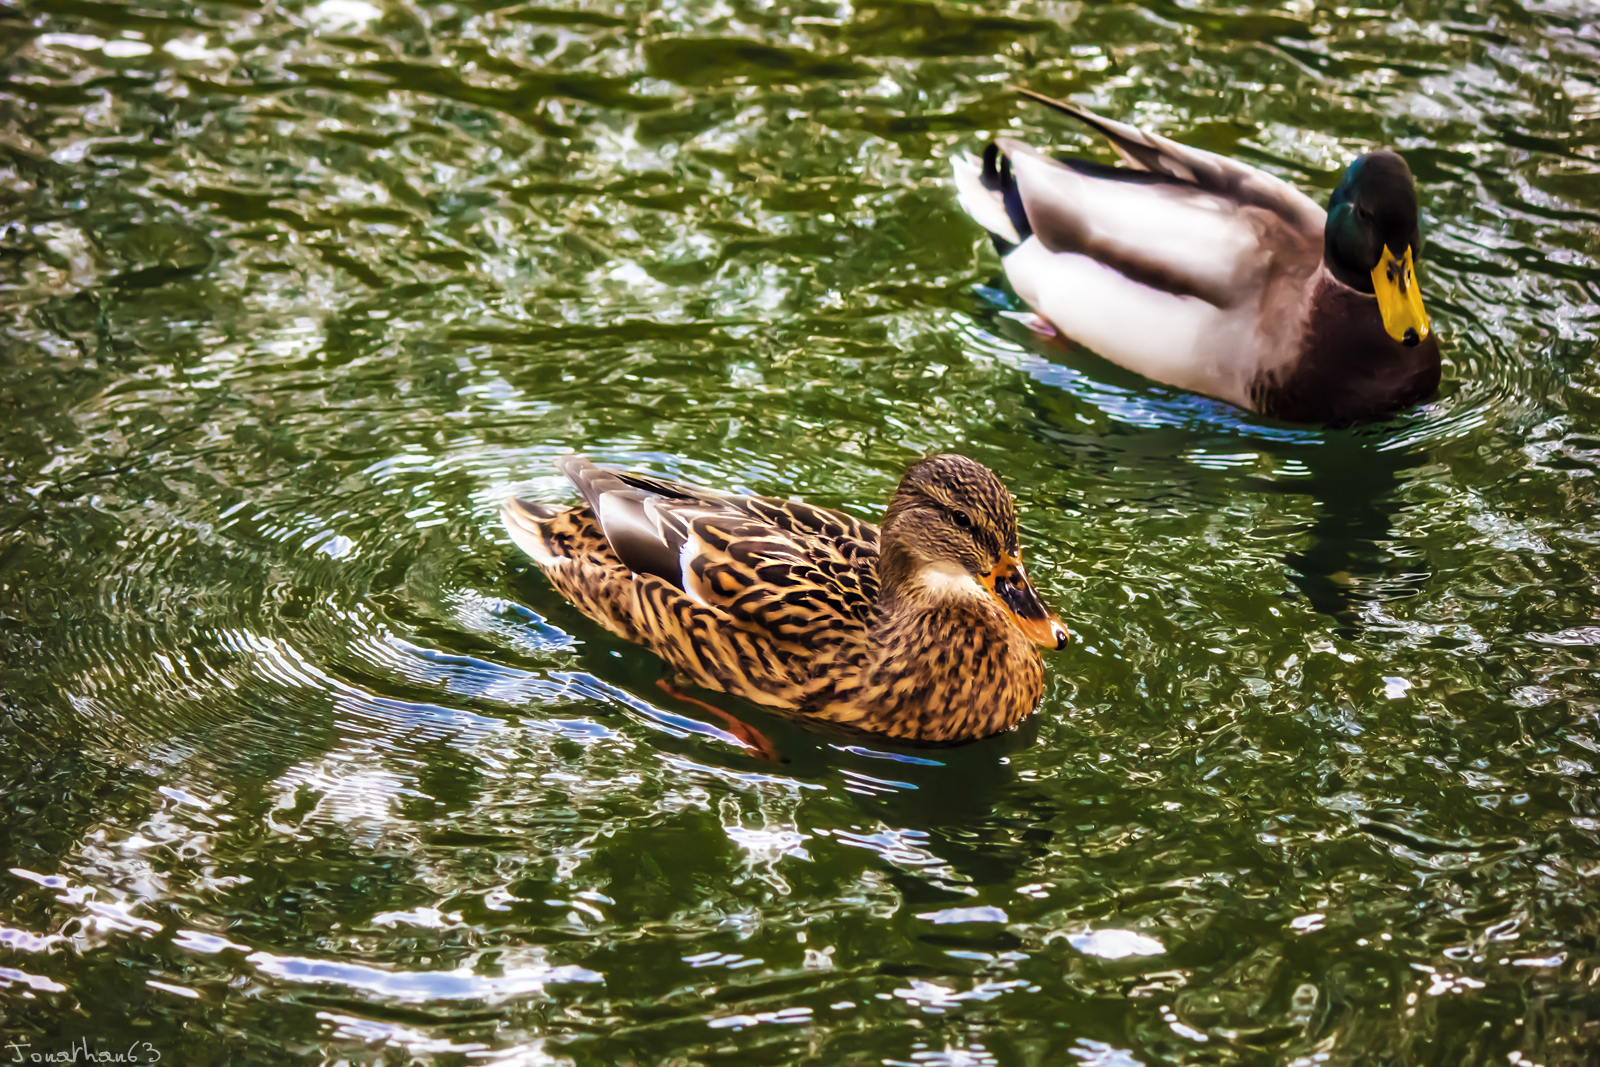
[[997, 177]]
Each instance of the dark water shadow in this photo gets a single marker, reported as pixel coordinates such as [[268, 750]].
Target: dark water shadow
[[1355, 475], [1349, 558]]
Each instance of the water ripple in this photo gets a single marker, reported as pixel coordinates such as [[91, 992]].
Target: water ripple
[[294, 296]]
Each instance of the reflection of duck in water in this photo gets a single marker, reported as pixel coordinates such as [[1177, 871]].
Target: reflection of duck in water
[[1352, 555], [1208, 274], [923, 631]]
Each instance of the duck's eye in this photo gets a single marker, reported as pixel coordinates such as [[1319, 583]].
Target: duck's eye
[[962, 519]]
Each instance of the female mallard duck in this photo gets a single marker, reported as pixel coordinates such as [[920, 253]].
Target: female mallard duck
[[923, 631], [1208, 274]]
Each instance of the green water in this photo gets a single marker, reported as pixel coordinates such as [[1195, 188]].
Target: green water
[[303, 763]]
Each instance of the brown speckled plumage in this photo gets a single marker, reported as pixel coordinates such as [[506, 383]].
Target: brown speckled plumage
[[914, 631]]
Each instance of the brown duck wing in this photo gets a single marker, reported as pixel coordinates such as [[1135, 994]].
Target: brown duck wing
[[842, 552], [806, 595], [804, 574]]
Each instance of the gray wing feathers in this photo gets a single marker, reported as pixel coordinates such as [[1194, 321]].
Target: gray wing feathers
[[637, 516], [1139, 150], [1170, 236], [589, 480], [645, 532], [1214, 229], [1224, 177]]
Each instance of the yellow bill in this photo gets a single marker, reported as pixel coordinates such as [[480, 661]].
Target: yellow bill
[[1400, 298]]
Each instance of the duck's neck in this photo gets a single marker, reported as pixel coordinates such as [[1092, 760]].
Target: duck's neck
[[1353, 277], [944, 662], [1349, 368], [942, 589], [907, 582]]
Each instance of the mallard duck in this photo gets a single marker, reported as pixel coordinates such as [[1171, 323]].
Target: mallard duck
[[925, 630], [1205, 273]]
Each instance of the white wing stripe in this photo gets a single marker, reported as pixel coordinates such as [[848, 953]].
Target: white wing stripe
[[692, 547]]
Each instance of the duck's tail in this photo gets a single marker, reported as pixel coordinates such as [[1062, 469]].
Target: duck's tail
[[988, 193], [549, 532], [530, 524]]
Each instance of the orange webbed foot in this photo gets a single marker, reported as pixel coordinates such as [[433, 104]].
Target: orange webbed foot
[[752, 739]]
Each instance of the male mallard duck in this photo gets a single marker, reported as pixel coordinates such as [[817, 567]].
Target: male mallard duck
[[923, 631], [1206, 273]]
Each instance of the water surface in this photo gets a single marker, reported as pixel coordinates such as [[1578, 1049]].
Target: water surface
[[304, 763]]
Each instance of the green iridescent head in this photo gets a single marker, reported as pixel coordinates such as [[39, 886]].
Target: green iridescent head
[[1371, 242]]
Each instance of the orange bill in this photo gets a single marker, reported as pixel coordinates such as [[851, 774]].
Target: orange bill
[[1010, 586]]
